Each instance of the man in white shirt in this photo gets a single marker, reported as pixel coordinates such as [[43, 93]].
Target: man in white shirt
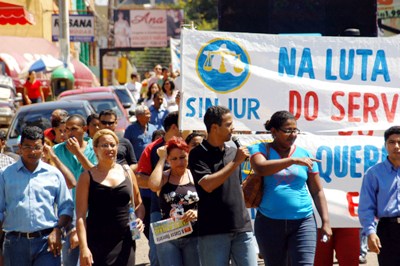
[[134, 86]]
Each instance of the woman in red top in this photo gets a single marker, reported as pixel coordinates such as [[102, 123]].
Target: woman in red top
[[33, 92]]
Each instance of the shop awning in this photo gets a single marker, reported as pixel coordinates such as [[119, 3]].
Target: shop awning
[[14, 14], [17, 52]]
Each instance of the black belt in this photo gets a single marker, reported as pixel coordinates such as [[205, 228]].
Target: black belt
[[390, 220], [36, 234]]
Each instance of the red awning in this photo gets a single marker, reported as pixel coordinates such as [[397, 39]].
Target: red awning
[[14, 14], [17, 52]]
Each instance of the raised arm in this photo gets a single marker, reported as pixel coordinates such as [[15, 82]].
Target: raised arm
[[68, 176], [156, 180], [73, 146], [264, 167], [212, 181]]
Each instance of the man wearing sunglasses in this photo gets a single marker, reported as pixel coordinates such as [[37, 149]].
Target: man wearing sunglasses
[[126, 154]]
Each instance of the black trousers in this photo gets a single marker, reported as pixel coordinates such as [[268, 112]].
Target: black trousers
[[389, 234]]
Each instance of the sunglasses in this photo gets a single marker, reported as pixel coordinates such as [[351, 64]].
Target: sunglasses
[[108, 123]]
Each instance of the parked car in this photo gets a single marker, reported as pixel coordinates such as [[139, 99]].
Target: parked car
[[101, 99], [127, 100], [39, 115], [9, 100]]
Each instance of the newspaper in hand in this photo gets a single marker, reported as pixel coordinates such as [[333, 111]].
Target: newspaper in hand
[[170, 229]]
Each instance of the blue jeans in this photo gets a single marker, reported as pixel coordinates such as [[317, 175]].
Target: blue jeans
[[179, 252], [363, 244], [216, 250], [283, 240], [21, 251], [70, 257], [154, 217]]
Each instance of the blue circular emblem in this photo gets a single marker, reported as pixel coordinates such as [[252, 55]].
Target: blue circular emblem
[[223, 66]]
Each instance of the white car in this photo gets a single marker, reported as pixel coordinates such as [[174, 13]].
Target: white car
[[127, 100]]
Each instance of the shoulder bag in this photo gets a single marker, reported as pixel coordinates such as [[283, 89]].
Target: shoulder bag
[[253, 187]]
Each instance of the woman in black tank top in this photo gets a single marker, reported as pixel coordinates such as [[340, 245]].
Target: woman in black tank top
[[178, 199], [103, 198]]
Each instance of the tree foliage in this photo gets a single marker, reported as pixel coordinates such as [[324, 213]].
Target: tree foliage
[[204, 13]]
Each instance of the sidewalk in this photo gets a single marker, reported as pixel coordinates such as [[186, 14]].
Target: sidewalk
[[142, 250]]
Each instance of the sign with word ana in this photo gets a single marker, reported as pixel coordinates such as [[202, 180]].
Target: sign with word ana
[[333, 85], [146, 28], [81, 28], [343, 163], [169, 229]]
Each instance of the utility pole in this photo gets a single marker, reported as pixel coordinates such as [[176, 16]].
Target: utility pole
[[64, 32]]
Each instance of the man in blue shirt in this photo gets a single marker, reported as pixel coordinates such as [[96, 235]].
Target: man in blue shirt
[[141, 131], [157, 110], [78, 155], [30, 190], [379, 199]]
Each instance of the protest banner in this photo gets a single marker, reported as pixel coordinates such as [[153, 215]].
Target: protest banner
[[175, 45], [333, 85], [169, 229]]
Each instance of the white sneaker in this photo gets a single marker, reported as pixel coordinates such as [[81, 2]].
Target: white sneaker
[[362, 259]]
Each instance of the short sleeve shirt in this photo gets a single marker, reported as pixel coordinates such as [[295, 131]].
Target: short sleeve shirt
[[285, 193], [223, 210], [125, 154], [139, 137]]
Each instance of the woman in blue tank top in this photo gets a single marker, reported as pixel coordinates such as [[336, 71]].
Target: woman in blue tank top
[[285, 226]]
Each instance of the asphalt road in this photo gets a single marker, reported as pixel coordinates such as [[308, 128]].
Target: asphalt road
[[142, 251]]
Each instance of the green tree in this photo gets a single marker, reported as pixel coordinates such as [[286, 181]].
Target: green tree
[[204, 13]]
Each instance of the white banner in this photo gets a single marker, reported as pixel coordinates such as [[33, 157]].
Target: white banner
[[175, 45], [333, 85], [344, 161]]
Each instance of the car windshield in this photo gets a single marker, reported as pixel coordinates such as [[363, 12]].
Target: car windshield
[[123, 96], [105, 104], [40, 118]]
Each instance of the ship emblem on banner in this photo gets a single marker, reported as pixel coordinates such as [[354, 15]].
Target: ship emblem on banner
[[223, 65]]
